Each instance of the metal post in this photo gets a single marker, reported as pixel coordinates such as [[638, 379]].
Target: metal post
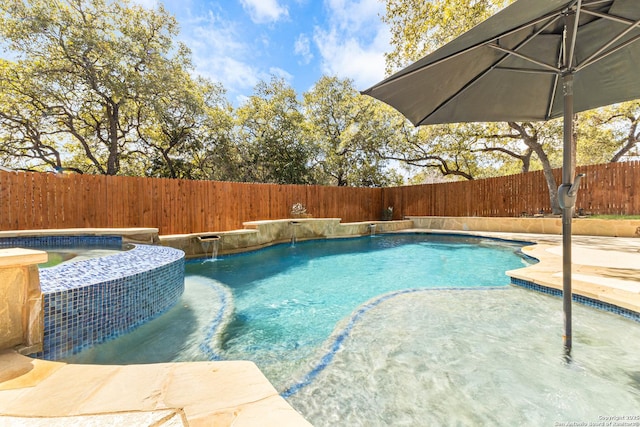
[[568, 173], [567, 211]]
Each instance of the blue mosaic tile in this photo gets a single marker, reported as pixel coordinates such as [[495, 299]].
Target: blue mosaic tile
[[39, 242], [590, 302], [91, 301]]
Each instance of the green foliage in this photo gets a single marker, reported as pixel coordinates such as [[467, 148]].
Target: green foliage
[[97, 86], [420, 27], [271, 136], [615, 217], [466, 151], [350, 131], [90, 74], [609, 134]]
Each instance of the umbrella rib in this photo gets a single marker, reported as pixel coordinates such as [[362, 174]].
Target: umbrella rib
[[525, 57], [552, 98], [495, 65], [610, 17], [574, 35], [595, 56], [554, 87], [528, 70], [553, 16]]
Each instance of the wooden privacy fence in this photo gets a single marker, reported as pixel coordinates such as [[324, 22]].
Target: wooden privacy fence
[[42, 200], [611, 188]]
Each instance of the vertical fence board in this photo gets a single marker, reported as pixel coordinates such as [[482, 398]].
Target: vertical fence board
[[16, 198], [6, 187]]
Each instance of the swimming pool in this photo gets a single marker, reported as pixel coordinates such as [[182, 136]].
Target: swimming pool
[[288, 299], [403, 329]]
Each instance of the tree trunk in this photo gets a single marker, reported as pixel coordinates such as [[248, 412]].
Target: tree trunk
[[552, 185], [532, 142], [113, 162], [632, 140]]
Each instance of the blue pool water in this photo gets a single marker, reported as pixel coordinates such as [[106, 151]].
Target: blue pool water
[[288, 299]]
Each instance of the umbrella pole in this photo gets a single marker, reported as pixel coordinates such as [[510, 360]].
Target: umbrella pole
[[567, 203], [567, 213], [568, 190]]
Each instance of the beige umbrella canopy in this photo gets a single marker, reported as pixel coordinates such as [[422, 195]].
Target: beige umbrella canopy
[[534, 60]]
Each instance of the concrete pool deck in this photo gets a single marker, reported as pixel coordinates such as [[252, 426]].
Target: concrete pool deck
[[42, 393]]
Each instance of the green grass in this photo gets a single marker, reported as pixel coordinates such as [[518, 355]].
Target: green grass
[[615, 216]]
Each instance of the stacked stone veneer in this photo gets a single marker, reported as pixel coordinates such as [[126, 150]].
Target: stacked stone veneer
[[257, 234], [90, 301]]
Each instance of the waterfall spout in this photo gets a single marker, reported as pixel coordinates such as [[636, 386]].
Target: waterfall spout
[[210, 244], [293, 225]]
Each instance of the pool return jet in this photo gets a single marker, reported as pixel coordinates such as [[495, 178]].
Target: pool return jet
[[535, 60]]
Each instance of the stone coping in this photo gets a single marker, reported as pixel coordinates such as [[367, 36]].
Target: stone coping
[[165, 237], [38, 392], [77, 232], [604, 275], [260, 234], [604, 268], [18, 256], [252, 224]]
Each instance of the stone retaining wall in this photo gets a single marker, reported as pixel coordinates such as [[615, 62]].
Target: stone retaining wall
[[581, 226]]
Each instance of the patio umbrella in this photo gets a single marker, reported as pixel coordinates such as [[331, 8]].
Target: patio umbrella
[[535, 60]]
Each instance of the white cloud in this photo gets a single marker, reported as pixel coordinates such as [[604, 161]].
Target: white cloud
[[234, 75], [350, 58], [149, 4], [353, 16], [354, 44], [219, 53], [349, 41], [264, 11], [279, 72], [302, 48]]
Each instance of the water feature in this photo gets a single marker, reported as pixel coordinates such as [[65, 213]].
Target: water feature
[[372, 229], [210, 244], [294, 225]]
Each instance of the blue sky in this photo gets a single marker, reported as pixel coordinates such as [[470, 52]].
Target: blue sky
[[240, 42]]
